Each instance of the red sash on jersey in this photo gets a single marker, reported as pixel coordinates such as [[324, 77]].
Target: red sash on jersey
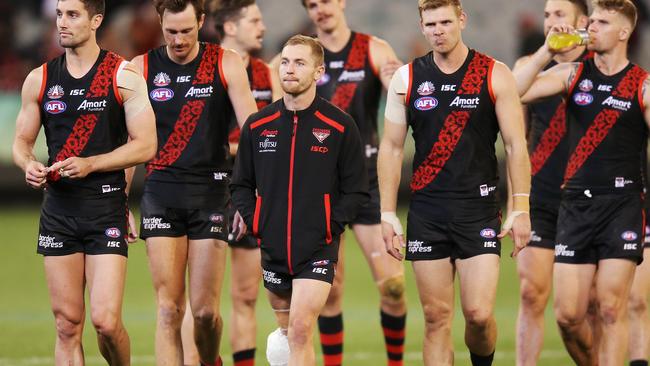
[[85, 124], [191, 111], [356, 60], [626, 89], [553, 135], [454, 125], [260, 80]]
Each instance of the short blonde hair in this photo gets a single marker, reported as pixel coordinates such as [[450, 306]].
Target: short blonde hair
[[316, 49], [435, 4], [623, 7]]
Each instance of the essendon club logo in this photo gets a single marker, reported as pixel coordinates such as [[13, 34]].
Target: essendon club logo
[[161, 79], [55, 107], [321, 134], [55, 92]]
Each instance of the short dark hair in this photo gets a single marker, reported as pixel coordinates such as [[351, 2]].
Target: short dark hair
[[94, 7], [623, 7], [177, 6], [581, 5], [316, 48], [227, 11]]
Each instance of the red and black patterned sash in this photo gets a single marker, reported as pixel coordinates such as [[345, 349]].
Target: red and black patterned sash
[[357, 57], [191, 111], [626, 89], [85, 124], [260, 79], [453, 126]]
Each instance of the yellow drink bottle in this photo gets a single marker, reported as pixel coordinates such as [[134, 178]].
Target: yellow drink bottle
[[558, 41]]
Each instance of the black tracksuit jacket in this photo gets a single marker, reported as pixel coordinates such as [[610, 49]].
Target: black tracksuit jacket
[[309, 173]]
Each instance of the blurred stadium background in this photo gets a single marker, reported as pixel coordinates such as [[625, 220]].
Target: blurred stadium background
[[504, 29]]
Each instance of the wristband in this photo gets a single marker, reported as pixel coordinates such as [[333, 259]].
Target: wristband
[[391, 218], [521, 195]]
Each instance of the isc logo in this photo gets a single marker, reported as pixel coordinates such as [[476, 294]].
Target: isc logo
[[319, 149], [320, 270], [77, 91], [183, 79], [490, 244], [629, 246], [448, 87], [113, 244]]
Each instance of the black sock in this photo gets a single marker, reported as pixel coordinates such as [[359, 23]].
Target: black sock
[[331, 339], [394, 332], [639, 363], [481, 360], [244, 358]]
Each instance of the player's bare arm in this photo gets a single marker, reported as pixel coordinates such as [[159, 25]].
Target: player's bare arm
[[140, 125], [239, 89], [389, 164], [511, 125], [384, 60], [28, 124]]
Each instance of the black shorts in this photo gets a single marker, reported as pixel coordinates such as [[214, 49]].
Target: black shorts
[[248, 241], [370, 212], [64, 235], [601, 227], [281, 282], [204, 223], [429, 239], [543, 220]]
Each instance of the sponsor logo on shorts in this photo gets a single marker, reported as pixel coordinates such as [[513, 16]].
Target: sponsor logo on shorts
[[153, 223], [106, 188], [488, 233], [417, 246], [561, 251], [216, 229], [321, 263], [161, 94], [534, 237], [320, 270], [271, 277], [425, 103], [371, 150], [216, 218], [55, 107], [46, 241], [220, 175], [113, 232], [55, 92], [426, 88], [629, 235], [321, 134], [583, 99], [489, 244], [630, 246], [621, 182], [161, 79], [586, 85], [113, 244]]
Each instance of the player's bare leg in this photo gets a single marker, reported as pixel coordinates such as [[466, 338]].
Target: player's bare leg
[[478, 277], [330, 321], [307, 301], [245, 277], [572, 284], [638, 311], [535, 268], [437, 298], [105, 276], [613, 283], [190, 353], [65, 282], [167, 263], [207, 260]]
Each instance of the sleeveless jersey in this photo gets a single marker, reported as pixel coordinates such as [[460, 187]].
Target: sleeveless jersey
[[259, 78], [83, 117], [548, 146], [609, 133], [351, 83], [455, 128], [193, 111]]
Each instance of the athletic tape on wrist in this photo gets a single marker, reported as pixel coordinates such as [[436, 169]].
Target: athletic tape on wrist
[[391, 218], [521, 195], [511, 219]]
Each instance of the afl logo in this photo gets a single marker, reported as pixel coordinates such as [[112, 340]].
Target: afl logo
[[55, 92], [161, 79], [426, 103], [488, 233], [55, 107], [217, 219], [583, 98], [113, 232], [629, 236], [586, 85], [323, 80], [161, 94]]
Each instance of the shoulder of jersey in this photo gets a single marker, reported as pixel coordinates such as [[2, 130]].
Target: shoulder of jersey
[[265, 112], [332, 111]]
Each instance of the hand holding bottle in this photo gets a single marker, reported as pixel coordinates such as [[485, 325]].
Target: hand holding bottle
[[564, 38]]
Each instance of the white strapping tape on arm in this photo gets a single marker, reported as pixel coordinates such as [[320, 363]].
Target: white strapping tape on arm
[[391, 218]]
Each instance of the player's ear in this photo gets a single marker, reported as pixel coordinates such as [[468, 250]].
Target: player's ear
[[201, 20], [96, 21], [463, 19], [582, 22]]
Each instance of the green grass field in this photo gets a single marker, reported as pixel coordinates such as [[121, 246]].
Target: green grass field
[[27, 326]]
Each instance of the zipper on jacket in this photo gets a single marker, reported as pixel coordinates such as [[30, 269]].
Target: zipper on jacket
[[290, 203]]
